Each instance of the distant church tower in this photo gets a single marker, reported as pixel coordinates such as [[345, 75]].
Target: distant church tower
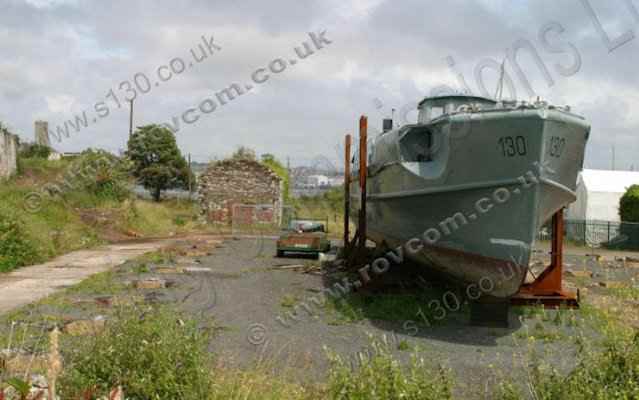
[[42, 133]]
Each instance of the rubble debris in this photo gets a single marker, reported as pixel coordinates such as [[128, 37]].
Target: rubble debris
[[288, 266], [169, 270], [150, 283], [104, 300], [14, 362], [153, 297], [326, 258], [612, 284], [85, 327], [579, 274], [195, 270]]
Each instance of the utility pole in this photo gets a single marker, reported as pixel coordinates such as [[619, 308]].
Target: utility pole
[[131, 119], [613, 157], [190, 180]]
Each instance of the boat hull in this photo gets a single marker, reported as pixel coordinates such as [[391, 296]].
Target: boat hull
[[472, 212]]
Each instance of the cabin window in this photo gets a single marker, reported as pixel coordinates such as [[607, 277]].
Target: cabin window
[[416, 146], [436, 112]]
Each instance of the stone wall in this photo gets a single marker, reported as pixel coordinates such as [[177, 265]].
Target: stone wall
[[240, 191], [8, 154]]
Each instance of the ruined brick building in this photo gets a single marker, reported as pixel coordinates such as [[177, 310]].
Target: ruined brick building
[[240, 191]]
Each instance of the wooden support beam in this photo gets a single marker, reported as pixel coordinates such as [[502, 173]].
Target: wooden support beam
[[347, 189], [363, 173]]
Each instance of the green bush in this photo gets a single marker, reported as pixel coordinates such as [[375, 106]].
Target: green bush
[[629, 205], [15, 249], [34, 150], [152, 355], [270, 161], [98, 173], [380, 376]]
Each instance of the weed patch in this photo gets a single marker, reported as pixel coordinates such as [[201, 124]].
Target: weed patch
[[612, 373], [152, 354], [380, 376], [16, 249], [289, 301], [388, 307]]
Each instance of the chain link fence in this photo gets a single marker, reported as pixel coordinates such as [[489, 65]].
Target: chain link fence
[[590, 233]]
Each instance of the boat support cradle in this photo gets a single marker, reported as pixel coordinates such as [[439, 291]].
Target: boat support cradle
[[547, 289]]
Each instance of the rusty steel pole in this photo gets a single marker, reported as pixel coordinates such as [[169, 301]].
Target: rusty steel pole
[[363, 172], [557, 247], [131, 119], [347, 188]]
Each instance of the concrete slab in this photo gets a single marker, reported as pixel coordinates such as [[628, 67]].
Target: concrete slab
[[30, 284]]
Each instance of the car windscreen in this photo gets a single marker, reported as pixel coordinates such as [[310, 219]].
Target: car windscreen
[[306, 226]]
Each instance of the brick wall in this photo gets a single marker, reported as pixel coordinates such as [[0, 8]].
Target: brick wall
[[240, 191]]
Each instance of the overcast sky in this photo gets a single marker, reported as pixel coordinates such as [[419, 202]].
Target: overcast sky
[[59, 58]]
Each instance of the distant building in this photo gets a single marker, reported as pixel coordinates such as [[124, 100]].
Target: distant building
[[594, 216], [598, 194], [54, 156], [240, 191], [336, 181], [317, 180]]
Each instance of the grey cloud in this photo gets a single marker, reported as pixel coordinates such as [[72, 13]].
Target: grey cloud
[[396, 53]]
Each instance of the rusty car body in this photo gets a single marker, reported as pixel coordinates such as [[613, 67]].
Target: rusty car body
[[305, 236]]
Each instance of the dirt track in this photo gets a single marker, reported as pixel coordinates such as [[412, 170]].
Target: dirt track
[[29, 284]]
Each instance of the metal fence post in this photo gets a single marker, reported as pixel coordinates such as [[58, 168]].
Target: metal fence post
[[585, 232]]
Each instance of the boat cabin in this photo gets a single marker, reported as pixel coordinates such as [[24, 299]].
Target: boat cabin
[[434, 107], [420, 147]]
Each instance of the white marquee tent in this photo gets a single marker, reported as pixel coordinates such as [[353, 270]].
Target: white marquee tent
[[598, 194]]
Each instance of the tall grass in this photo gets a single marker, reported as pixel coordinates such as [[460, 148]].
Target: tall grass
[[160, 219], [66, 221], [152, 354], [380, 376], [54, 229], [15, 248], [606, 365]]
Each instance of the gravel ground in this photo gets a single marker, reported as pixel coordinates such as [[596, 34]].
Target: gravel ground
[[243, 288], [248, 302]]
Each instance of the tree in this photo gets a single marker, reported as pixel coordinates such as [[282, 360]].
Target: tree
[[34, 150], [629, 213], [244, 153], [267, 157], [629, 205], [270, 161], [157, 162]]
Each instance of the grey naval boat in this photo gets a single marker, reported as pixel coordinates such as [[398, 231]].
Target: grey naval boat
[[466, 189]]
